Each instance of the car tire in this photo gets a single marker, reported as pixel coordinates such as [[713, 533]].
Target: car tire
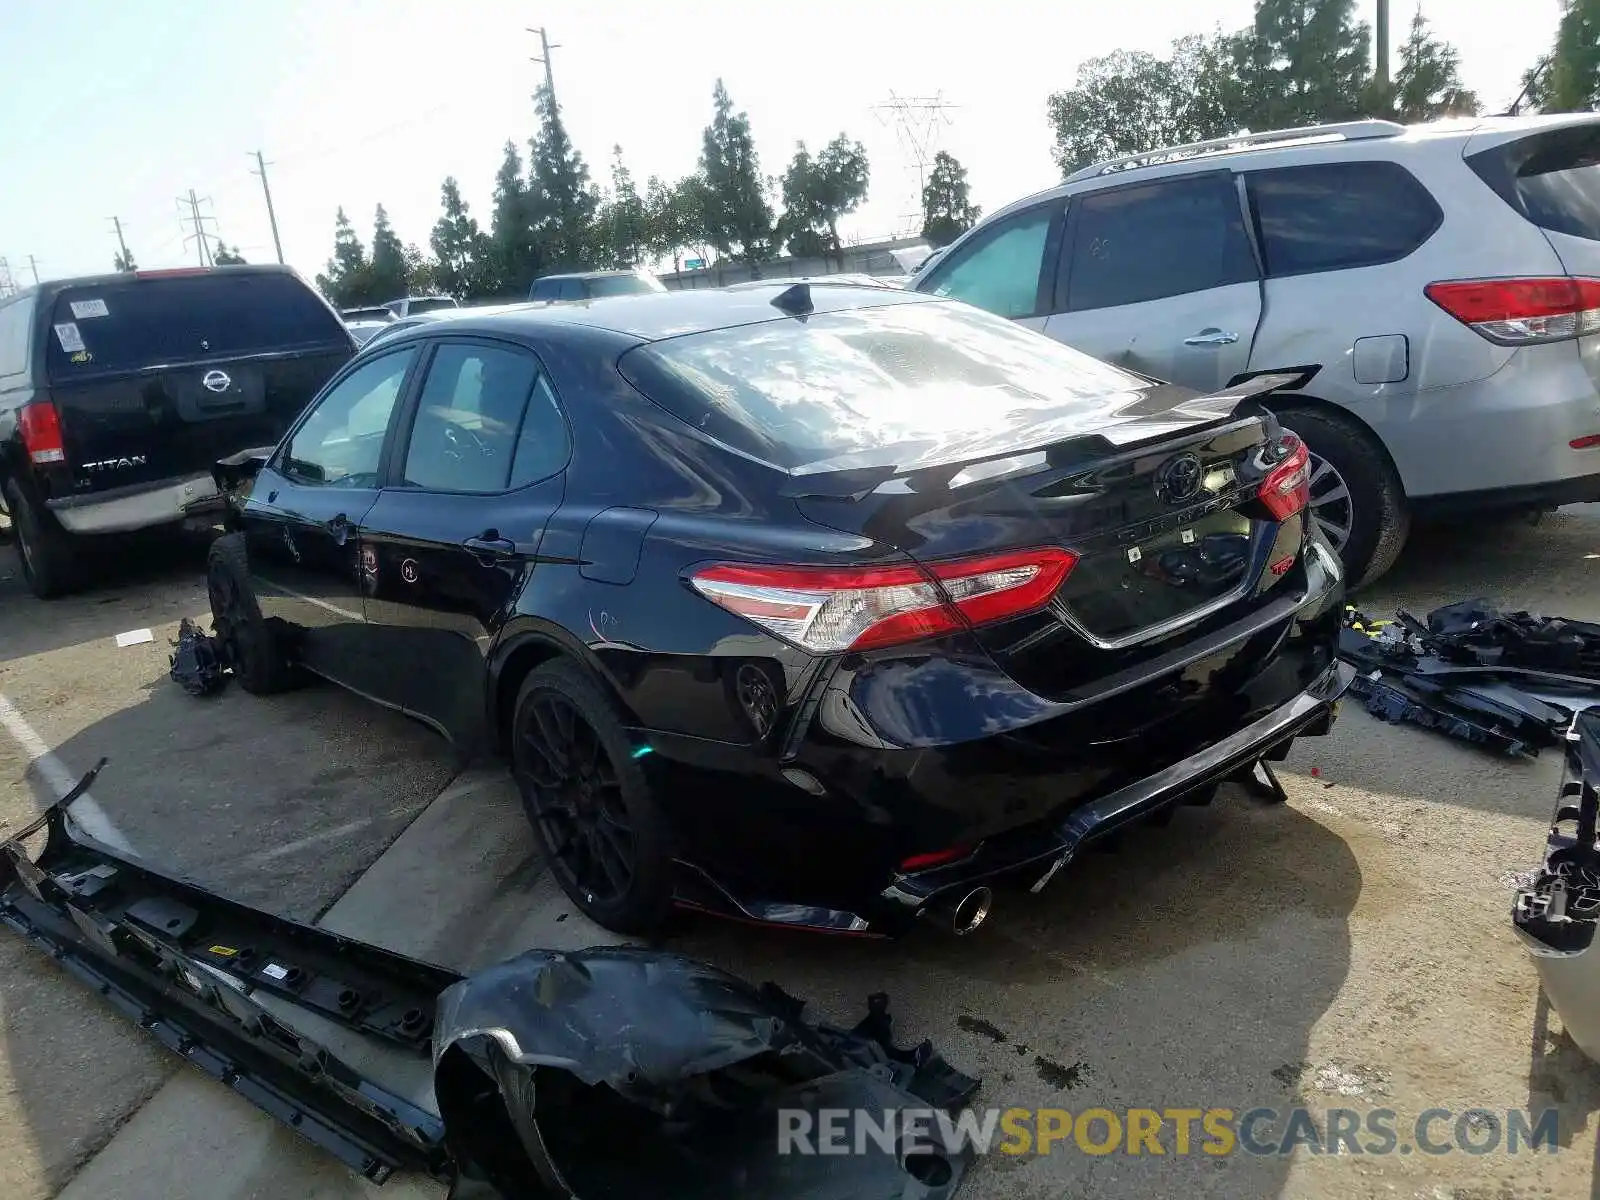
[[45, 551], [252, 645], [589, 801], [1369, 522]]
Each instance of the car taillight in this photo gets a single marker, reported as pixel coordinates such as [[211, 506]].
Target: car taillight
[[827, 609], [40, 426], [1287, 487], [1518, 312]]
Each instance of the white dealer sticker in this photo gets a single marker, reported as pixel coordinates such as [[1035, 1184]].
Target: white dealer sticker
[[84, 309], [69, 337]]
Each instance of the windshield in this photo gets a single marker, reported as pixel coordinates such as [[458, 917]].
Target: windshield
[[624, 285], [794, 392]]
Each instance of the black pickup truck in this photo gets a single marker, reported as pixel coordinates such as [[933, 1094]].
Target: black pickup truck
[[118, 392]]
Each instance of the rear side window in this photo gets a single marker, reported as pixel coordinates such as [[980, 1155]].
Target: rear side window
[[126, 325], [1334, 216], [1134, 244], [1553, 177]]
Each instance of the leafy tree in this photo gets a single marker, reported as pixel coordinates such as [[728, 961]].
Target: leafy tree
[[422, 272], [562, 202], [818, 191], [348, 280], [224, 257], [123, 261], [737, 216], [947, 208], [673, 217], [1427, 84], [515, 253], [1569, 79], [463, 263], [1128, 102], [388, 258], [624, 222]]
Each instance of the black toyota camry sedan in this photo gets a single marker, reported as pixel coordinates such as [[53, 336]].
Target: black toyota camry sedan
[[820, 605]]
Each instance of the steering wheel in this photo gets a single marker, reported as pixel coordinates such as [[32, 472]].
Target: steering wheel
[[461, 440]]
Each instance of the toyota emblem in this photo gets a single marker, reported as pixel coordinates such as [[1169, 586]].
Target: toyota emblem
[[216, 381], [1178, 479]]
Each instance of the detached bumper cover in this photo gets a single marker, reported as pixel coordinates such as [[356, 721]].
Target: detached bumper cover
[[1056, 843], [1557, 914], [543, 1066]]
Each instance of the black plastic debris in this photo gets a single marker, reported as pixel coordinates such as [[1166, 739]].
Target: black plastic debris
[[1510, 682], [614, 1071], [197, 662], [1556, 915]]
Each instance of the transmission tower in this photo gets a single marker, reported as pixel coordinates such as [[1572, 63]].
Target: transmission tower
[[8, 286], [919, 123]]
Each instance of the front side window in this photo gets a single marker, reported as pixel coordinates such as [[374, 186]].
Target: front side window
[[998, 271], [470, 419], [341, 442], [1335, 216], [1134, 244]]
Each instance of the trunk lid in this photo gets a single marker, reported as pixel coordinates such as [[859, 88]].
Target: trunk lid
[[1169, 532], [155, 378]]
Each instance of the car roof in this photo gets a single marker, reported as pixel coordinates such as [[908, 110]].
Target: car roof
[[651, 316], [586, 275], [54, 287]]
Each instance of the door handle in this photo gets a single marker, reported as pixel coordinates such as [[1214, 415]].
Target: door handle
[[491, 545], [1211, 336]]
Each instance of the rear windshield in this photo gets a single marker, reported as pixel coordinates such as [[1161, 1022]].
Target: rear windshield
[[1554, 178], [623, 285], [794, 392], [137, 323], [433, 304]]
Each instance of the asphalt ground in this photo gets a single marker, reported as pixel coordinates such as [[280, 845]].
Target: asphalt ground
[[1351, 949]]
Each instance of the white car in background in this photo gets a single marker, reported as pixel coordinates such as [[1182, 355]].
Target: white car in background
[[1443, 280]]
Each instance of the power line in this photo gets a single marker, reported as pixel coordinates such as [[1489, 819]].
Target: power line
[[272, 217], [919, 123], [199, 236], [546, 47]]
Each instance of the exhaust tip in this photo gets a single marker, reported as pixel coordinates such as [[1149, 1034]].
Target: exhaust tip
[[971, 911]]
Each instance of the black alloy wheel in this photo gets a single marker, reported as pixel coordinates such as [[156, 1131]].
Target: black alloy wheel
[[588, 801]]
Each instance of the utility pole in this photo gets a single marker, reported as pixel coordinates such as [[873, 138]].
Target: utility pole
[[546, 47], [272, 217], [1383, 43], [33, 265], [122, 242], [199, 236]]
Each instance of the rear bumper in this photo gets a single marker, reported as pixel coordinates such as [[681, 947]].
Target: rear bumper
[[141, 506], [1583, 490], [1052, 844]]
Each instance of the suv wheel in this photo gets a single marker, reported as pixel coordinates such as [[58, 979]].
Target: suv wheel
[[44, 549], [603, 835], [1356, 498]]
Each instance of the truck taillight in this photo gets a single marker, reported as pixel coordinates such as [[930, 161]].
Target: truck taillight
[[1287, 487], [828, 609], [1520, 312], [40, 426]]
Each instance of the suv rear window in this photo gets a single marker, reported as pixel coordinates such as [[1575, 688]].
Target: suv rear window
[[431, 304], [127, 325], [623, 285], [914, 375], [1334, 216], [1553, 177]]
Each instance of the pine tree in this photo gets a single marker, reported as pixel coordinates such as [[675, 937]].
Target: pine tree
[[348, 279], [388, 259], [459, 246], [623, 220], [1305, 62], [737, 215], [1427, 84], [1569, 79], [562, 201], [514, 250], [947, 208]]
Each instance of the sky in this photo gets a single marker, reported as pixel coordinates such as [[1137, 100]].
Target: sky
[[361, 102]]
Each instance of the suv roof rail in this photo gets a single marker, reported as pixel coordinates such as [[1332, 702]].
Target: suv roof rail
[[1347, 130]]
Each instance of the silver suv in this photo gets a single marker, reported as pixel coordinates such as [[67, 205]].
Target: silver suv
[[1443, 279]]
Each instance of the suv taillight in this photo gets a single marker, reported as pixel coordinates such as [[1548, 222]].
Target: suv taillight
[[828, 609], [1287, 487], [40, 426], [1520, 312]]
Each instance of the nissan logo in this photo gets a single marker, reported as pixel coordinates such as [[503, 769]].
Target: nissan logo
[[1178, 479], [216, 381]]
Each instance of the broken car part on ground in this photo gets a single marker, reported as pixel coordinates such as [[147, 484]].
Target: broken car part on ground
[[1507, 681], [1556, 914], [540, 1066]]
